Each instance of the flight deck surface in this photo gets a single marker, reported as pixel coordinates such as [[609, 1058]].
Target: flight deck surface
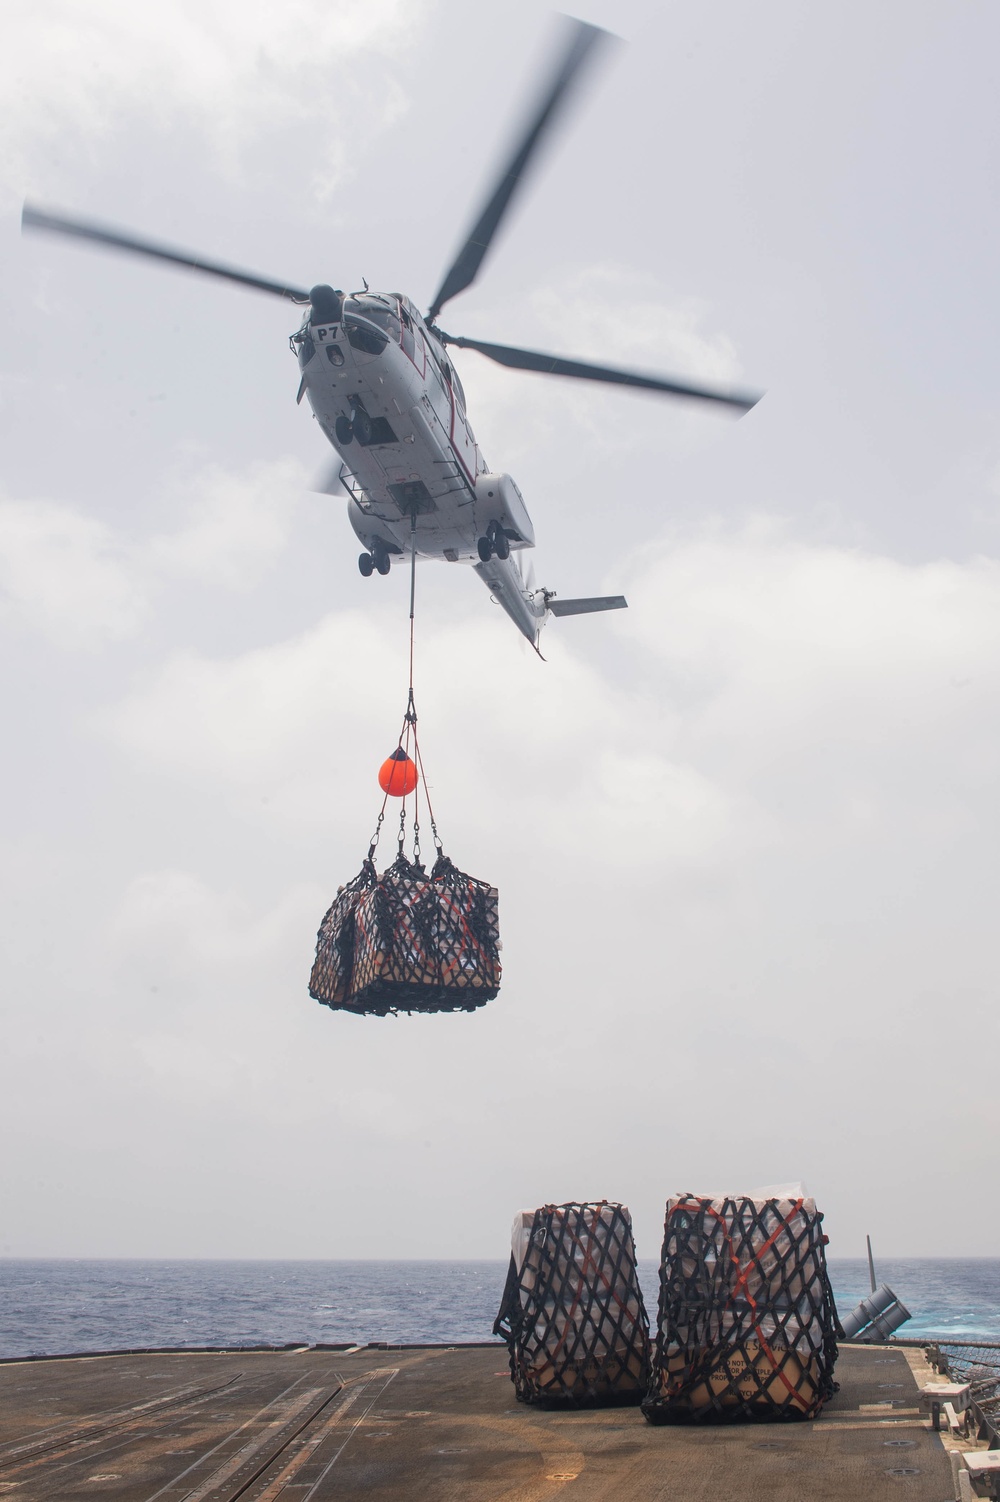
[[429, 1424]]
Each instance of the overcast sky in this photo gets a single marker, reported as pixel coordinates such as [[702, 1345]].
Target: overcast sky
[[745, 834]]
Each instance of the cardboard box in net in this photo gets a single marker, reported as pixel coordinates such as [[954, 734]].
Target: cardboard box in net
[[438, 931], [746, 1321], [573, 1314], [409, 941]]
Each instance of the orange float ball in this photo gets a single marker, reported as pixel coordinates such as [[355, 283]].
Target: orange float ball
[[397, 775]]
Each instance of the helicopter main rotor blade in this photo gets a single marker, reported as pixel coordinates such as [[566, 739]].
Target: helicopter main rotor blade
[[530, 359], [83, 229], [465, 268]]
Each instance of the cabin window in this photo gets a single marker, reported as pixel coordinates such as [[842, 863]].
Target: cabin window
[[408, 339], [438, 391], [456, 386]]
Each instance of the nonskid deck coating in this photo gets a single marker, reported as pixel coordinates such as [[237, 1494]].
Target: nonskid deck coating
[[430, 1425]]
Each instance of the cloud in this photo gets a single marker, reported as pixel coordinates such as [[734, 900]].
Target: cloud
[[199, 964], [296, 723], [760, 841], [66, 575], [279, 712], [74, 69], [237, 523], [783, 690], [780, 693], [210, 1009], [83, 584], [784, 637], [613, 315]]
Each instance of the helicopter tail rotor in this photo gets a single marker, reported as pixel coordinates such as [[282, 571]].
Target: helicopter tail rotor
[[587, 606]]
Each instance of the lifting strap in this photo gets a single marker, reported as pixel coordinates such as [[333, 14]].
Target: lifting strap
[[409, 740]]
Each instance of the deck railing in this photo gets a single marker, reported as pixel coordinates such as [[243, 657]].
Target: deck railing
[[978, 1363]]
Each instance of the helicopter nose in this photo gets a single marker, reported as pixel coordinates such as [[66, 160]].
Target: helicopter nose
[[327, 304]]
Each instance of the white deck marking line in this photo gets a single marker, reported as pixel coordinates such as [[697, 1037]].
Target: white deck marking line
[[60, 1437], [103, 1439], [283, 1416], [388, 1375], [178, 1480], [831, 1423], [308, 1445]]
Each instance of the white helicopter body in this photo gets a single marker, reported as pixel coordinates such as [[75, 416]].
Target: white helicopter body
[[389, 400], [384, 391]]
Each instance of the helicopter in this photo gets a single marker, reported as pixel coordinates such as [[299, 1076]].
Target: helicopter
[[382, 386]]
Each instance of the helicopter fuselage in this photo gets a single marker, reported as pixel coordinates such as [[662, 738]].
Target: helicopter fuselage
[[389, 400], [384, 391]]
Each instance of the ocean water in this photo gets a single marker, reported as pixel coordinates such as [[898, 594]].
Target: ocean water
[[957, 1298], [50, 1307]]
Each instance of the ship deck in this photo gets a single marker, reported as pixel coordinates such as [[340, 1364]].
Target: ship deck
[[431, 1424]]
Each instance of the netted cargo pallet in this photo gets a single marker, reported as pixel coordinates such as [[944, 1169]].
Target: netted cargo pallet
[[572, 1312], [746, 1325], [330, 981], [409, 942]]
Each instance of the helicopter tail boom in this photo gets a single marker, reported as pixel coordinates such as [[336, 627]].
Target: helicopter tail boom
[[505, 583], [530, 608]]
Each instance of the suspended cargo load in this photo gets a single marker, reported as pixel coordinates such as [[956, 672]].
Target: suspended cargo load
[[409, 942], [572, 1312], [746, 1325]]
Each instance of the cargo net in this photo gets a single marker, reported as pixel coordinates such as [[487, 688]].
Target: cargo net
[[408, 942], [746, 1322], [572, 1312], [405, 941]]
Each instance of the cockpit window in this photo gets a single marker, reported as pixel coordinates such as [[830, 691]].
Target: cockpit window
[[383, 311], [362, 336]]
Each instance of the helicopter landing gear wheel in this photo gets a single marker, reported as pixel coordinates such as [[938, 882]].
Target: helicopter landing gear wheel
[[361, 426], [380, 558], [343, 430], [495, 543], [366, 564]]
